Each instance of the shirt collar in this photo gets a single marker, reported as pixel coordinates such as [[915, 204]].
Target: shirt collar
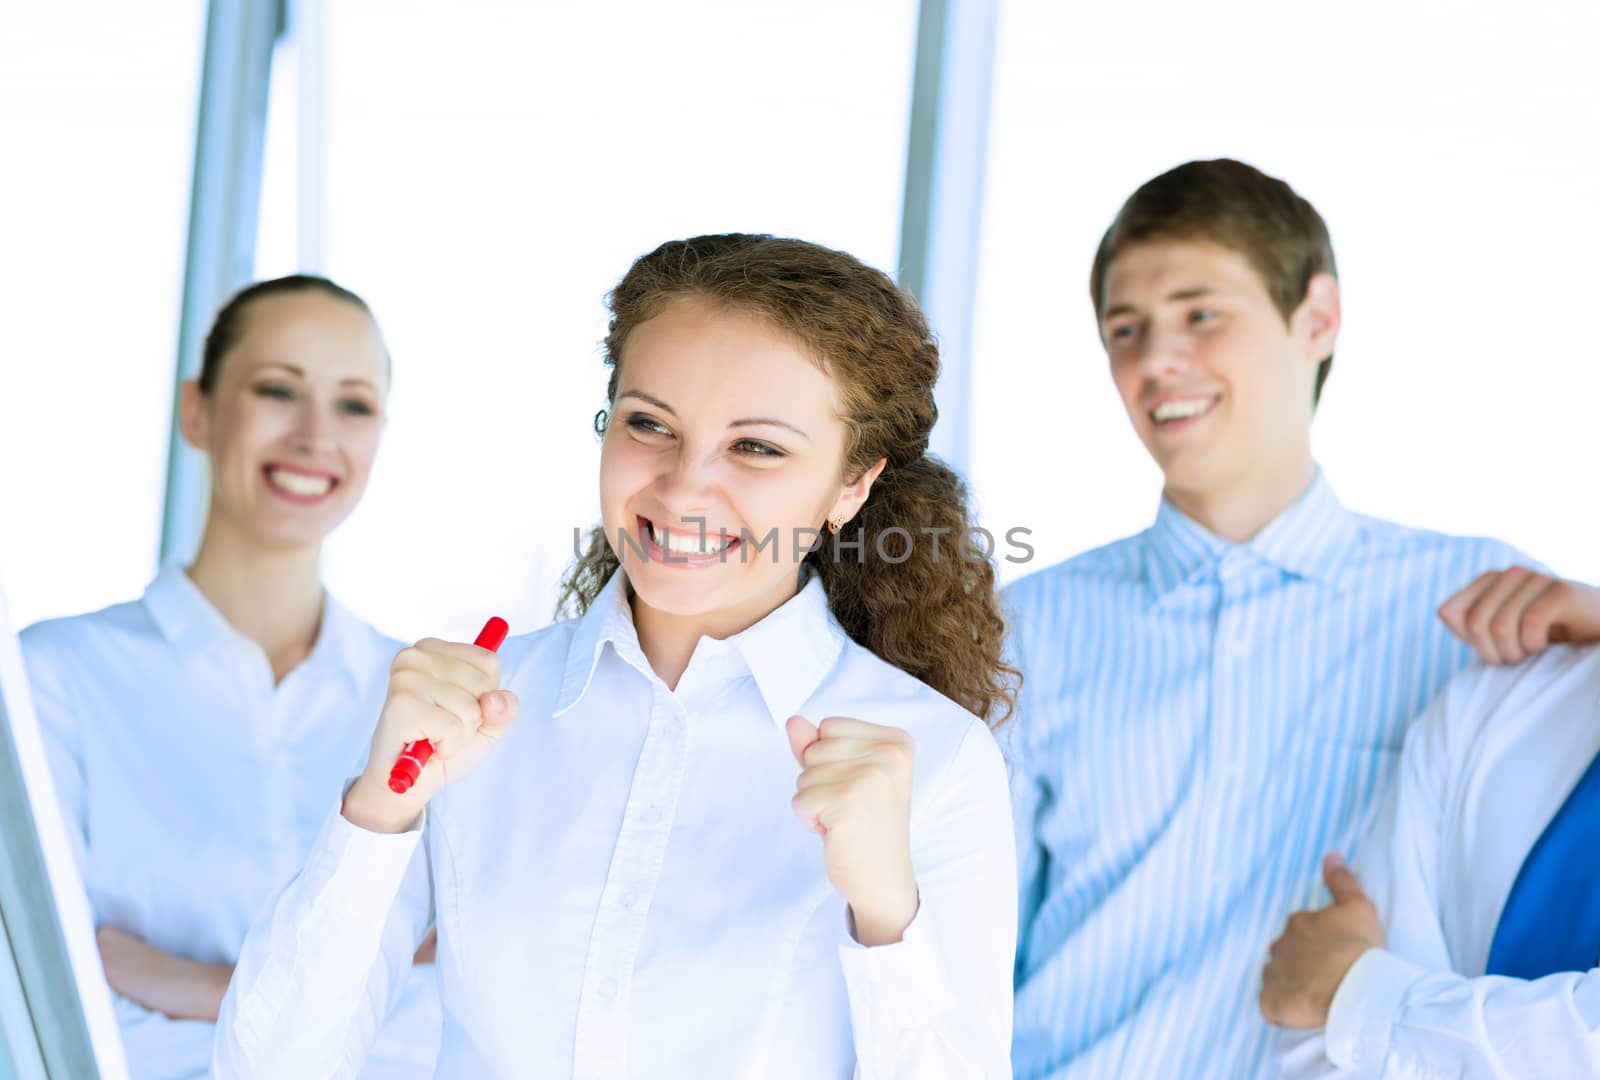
[[182, 613], [1177, 549], [191, 623], [349, 643], [608, 619], [1311, 540], [792, 650], [788, 653]]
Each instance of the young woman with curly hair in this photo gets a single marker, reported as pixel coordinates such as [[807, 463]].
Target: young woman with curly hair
[[780, 618]]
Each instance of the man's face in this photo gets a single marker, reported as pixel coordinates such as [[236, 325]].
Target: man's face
[[1217, 384]]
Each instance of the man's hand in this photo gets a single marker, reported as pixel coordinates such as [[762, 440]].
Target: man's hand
[[1508, 615], [1317, 950], [855, 790]]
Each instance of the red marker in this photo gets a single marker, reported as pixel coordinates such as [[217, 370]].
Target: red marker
[[415, 756]]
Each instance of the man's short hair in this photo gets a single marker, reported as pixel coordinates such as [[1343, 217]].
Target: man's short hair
[[1235, 205]]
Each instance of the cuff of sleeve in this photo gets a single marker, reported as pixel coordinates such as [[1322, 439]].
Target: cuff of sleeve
[[1364, 1009], [899, 986], [357, 865], [333, 916]]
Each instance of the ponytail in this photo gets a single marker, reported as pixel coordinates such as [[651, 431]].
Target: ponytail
[[904, 581]]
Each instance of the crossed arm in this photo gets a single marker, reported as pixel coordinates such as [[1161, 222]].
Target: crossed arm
[[177, 987]]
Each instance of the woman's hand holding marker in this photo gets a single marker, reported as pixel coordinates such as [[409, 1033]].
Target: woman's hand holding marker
[[855, 790], [447, 695]]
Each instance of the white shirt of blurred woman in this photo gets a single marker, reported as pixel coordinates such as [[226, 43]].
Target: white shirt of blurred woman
[[197, 735], [192, 788]]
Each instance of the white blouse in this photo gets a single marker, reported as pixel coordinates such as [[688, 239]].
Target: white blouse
[[192, 787], [622, 888], [1485, 769]]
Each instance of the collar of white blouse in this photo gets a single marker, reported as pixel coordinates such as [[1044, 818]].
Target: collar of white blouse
[[788, 653], [189, 621]]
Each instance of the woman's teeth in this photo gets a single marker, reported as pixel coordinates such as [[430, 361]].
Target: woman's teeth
[[1180, 410], [299, 483], [679, 543]]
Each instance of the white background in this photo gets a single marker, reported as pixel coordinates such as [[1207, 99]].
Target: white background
[[97, 115], [1454, 150], [492, 168]]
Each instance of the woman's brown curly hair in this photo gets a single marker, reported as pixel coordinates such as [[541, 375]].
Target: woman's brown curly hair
[[934, 615]]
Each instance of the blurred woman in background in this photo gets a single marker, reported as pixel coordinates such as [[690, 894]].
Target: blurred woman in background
[[199, 736]]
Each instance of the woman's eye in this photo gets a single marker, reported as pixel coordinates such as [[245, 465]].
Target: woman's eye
[[1124, 332], [1204, 315], [756, 448], [647, 426], [356, 407], [275, 391]]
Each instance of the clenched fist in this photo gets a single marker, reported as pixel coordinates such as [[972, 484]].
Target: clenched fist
[[855, 790], [449, 694]]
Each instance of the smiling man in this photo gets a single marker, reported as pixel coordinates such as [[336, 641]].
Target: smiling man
[[1212, 704]]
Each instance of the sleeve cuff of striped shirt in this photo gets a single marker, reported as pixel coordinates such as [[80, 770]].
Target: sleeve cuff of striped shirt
[[899, 986], [1364, 1008]]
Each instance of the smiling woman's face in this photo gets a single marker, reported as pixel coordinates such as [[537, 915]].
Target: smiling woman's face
[[724, 431], [292, 424]]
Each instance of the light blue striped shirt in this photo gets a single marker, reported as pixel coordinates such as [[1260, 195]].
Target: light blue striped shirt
[[1200, 721]]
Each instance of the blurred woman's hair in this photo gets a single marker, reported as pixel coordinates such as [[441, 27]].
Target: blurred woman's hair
[[227, 329]]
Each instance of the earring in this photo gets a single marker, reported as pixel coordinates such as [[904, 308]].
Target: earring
[[836, 524]]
